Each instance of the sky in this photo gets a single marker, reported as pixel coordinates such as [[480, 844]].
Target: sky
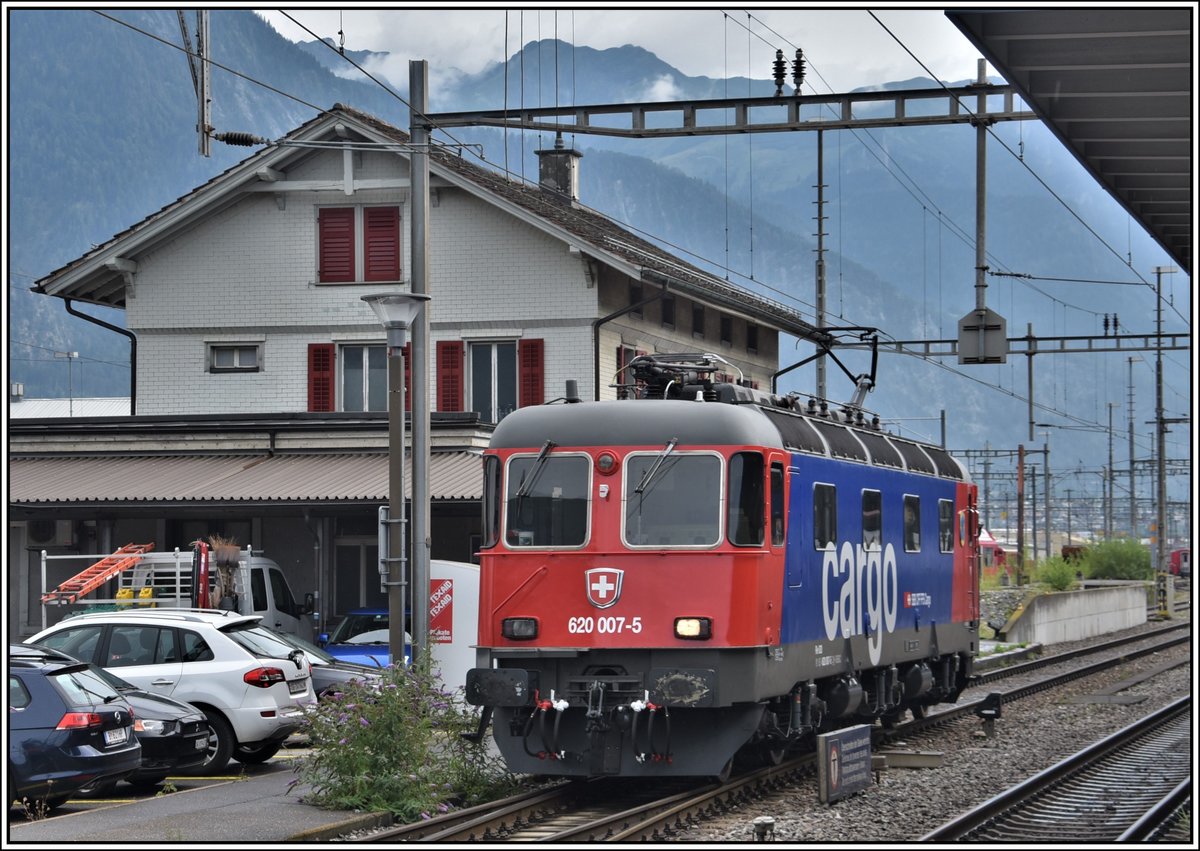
[[844, 48]]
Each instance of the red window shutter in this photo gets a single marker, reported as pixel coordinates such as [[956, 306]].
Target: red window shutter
[[320, 376], [407, 353], [532, 373], [450, 375], [381, 243], [336, 227]]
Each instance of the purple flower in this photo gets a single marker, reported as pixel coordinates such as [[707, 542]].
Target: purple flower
[[364, 722], [341, 741]]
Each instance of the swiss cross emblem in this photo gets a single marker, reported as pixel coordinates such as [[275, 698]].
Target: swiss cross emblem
[[603, 586]]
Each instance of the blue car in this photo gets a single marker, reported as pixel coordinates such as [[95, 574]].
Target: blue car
[[362, 637]]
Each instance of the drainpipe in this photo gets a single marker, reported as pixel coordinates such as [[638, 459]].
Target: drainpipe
[[596, 335], [132, 349]]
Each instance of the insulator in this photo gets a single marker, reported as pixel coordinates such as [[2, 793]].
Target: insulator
[[780, 72], [236, 138], [1106, 325], [1116, 324], [798, 70]]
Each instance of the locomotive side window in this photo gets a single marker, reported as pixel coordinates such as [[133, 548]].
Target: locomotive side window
[[912, 523], [777, 524], [491, 501], [824, 515], [675, 499], [547, 500], [872, 518], [746, 499], [945, 525]]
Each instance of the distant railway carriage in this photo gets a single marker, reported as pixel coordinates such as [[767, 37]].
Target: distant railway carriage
[[671, 581], [1181, 562]]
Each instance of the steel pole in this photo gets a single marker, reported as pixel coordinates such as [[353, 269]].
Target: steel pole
[[418, 82]]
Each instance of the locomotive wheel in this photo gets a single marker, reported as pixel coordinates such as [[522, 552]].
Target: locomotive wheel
[[889, 720], [918, 711]]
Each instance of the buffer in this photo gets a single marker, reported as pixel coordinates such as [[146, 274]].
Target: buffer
[[93, 577]]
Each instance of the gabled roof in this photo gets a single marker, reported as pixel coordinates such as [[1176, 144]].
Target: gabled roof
[[101, 276]]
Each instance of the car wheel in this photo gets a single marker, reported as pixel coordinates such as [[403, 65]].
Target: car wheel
[[256, 755], [220, 745], [52, 804]]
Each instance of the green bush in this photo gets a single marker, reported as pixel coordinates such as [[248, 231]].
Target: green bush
[[1056, 572], [395, 747], [1123, 558]]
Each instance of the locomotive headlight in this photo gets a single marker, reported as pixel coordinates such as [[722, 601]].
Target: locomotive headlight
[[606, 463], [693, 628], [519, 629]]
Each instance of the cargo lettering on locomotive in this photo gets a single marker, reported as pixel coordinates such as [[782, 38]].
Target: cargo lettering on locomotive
[[867, 588]]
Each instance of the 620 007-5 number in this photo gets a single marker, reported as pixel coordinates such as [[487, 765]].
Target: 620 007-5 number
[[606, 625]]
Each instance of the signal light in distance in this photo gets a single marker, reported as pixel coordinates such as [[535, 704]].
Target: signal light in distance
[[697, 629], [519, 629]]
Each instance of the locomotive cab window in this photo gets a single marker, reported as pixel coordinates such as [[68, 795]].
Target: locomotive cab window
[[491, 501], [872, 518], [547, 500], [674, 499], [945, 525], [824, 516], [746, 499], [912, 523], [778, 531]]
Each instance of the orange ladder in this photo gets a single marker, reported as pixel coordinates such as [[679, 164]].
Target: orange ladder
[[93, 577]]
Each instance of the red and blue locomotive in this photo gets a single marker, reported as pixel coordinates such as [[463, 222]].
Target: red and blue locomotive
[[709, 571]]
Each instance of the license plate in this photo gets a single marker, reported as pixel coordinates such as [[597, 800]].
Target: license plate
[[298, 686], [117, 736], [201, 744]]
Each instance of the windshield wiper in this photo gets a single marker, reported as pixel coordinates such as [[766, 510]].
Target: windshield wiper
[[662, 456], [531, 477]]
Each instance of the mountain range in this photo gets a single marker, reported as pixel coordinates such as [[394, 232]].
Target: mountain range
[[101, 115]]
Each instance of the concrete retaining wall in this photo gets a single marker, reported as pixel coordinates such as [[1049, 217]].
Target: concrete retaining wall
[[1075, 615]]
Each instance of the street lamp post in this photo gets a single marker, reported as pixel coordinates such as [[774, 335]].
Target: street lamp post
[[397, 311]]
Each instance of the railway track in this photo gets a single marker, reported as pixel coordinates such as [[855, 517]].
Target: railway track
[[624, 811], [1123, 788]]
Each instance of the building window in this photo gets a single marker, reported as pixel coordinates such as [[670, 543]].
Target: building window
[[751, 338], [234, 358], [668, 311], [698, 321], [358, 244], [726, 330], [363, 378], [493, 379]]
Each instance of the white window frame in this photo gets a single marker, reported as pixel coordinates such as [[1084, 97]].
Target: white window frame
[[494, 414], [236, 348], [342, 359]]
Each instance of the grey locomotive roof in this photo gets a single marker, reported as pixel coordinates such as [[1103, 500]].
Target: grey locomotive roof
[[652, 422]]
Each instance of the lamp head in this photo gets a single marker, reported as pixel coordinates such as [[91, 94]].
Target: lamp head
[[396, 312]]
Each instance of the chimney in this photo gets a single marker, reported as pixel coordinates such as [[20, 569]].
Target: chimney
[[558, 171], [16, 392]]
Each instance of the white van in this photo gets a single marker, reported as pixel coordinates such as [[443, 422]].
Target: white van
[[259, 588]]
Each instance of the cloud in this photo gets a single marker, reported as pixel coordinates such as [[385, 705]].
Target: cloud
[[662, 88]]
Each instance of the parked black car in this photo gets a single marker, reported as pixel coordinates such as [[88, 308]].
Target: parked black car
[[67, 728], [173, 734], [329, 673]]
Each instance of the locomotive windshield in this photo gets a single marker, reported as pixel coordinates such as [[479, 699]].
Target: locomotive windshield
[[547, 501], [680, 505]]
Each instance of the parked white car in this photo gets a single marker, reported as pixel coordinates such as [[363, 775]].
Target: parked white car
[[253, 687]]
